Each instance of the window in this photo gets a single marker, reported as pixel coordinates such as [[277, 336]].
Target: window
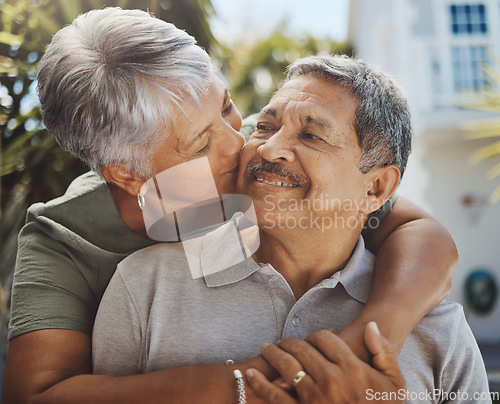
[[468, 19], [468, 67]]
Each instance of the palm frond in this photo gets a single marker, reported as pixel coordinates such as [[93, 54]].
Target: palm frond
[[484, 129], [495, 196], [494, 172], [485, 153]]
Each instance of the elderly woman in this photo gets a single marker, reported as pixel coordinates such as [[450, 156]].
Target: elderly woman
[[117, 88]]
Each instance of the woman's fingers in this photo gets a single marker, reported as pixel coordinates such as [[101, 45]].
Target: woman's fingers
[[283, 362], [321, 355], [266, 390], [291, 370]]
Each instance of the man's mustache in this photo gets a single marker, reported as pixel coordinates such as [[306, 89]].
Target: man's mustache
[[278, 169]]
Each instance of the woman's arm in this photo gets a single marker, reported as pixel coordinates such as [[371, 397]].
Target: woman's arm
[[54, 366], [415, 259]]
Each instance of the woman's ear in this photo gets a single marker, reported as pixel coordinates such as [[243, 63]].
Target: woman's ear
[[383, 183], [128, 181]]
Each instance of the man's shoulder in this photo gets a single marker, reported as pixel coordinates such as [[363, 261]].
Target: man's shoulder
[[161, 258], [448, 309], [441, 354], [444, 325], [435, 340]]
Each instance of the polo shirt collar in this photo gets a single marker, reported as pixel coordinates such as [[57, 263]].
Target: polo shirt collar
[[356, 276], [222, 262], [223, 258]]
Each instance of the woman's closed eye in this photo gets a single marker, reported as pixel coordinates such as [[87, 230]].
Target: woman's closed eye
[[204, 149], [227, 110]]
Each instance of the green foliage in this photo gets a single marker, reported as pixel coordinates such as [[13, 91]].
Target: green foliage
[[254, 71]]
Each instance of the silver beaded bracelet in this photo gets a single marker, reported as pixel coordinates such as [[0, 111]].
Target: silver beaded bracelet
[[242, 398]]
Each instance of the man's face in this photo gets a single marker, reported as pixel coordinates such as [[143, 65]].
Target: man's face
[[302, 161], [211, 130]]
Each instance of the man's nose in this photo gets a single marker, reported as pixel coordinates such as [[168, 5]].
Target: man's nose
[[278, 148]]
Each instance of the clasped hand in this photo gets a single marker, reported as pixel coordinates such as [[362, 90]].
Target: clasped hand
[[333, 373]]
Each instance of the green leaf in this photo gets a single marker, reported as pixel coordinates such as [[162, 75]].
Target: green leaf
[[11, 39]]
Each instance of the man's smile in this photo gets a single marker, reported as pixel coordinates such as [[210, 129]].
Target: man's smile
[[275, 175], [273, 179]]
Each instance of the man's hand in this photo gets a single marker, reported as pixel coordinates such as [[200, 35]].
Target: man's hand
[[334, 374]]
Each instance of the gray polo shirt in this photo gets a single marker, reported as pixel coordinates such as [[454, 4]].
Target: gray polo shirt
[[155, 314]]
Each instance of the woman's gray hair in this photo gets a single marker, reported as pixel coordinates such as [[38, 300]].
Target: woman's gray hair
[[382, 119], [111, 82]]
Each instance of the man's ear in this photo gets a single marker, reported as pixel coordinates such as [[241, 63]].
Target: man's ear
[[128, 181], [383, 183]]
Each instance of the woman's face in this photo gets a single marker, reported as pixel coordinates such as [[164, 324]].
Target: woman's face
[[210, 130]]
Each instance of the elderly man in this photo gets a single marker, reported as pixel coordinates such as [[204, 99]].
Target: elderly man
[[330, 148]]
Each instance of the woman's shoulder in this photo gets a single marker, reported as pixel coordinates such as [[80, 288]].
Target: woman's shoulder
[[87, 187]]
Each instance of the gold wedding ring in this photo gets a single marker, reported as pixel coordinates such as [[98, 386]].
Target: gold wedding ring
[[298, 377]]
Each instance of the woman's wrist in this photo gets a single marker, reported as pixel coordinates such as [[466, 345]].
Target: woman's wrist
[[393, 323]]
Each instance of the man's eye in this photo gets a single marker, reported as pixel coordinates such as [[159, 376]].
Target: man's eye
[[264, 128], [311, 136]]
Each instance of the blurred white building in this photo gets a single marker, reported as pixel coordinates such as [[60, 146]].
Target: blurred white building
[[436, 50]]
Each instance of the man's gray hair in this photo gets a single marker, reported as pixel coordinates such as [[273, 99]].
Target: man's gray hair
[[382, 119], [110, 84]]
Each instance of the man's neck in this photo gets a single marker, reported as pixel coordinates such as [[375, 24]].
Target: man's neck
[[303, 259]]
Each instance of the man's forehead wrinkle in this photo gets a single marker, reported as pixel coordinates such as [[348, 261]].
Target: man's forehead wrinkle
[[321, 123], [307, 114], [298, 105]]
